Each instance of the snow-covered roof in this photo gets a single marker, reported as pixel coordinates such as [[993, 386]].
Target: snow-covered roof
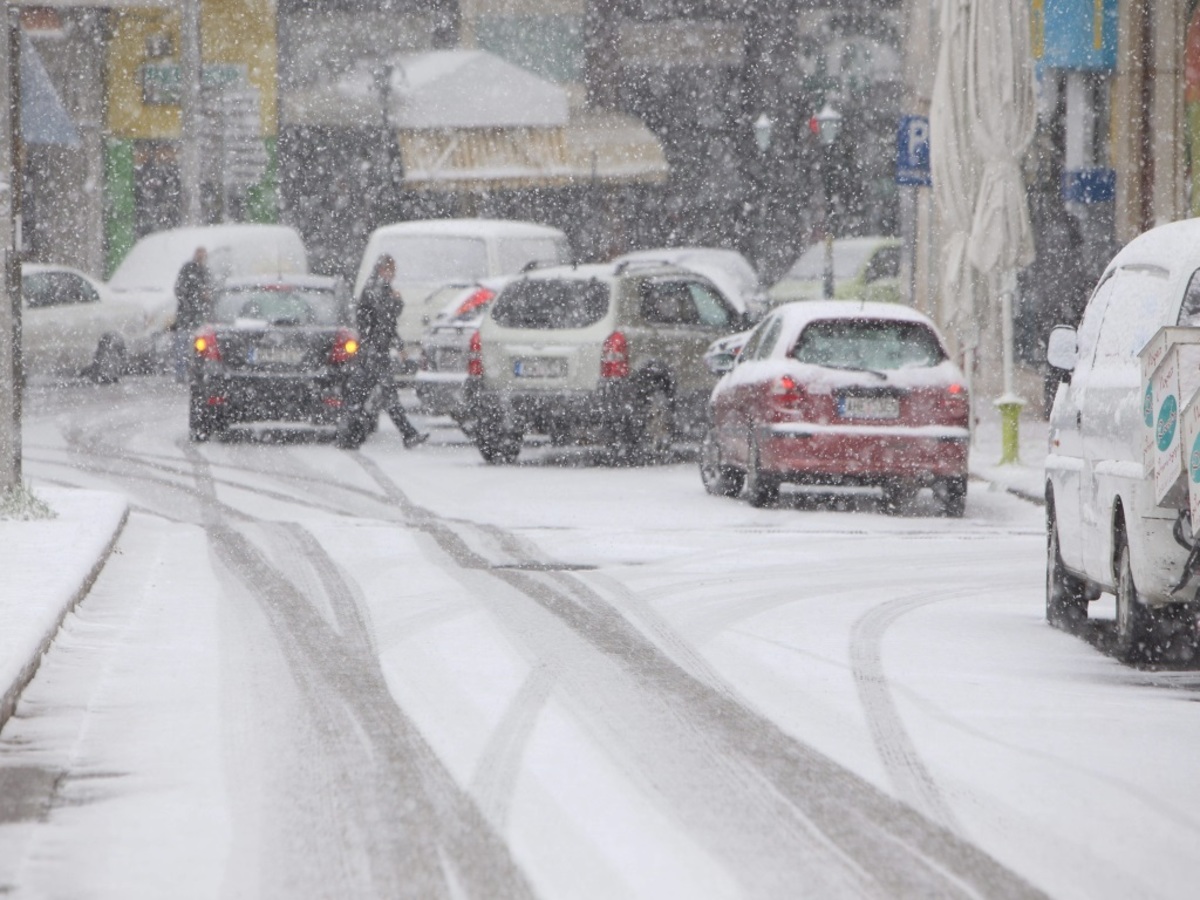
[[1174, 247], [469, 228], [435, 90], [799, 313]]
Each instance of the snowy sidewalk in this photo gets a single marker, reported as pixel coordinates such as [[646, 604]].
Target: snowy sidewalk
[[46, 567], [1025, 478]]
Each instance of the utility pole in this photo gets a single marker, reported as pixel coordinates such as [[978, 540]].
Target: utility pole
[[10, 293], [190, 74]]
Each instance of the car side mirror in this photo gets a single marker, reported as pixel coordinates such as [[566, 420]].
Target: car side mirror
[[720, 363], [1062, 350]]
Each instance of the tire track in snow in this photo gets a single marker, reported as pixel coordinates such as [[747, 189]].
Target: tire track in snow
[[913, 781], [901, 851]]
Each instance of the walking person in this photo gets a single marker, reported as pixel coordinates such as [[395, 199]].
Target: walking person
[[379, 306], [193, 306]]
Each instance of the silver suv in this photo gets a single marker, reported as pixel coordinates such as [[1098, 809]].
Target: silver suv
[[601, 354]]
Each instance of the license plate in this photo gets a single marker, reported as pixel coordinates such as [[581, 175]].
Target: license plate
[[448, 360], [850, 407], [540, 367], [275, 355]]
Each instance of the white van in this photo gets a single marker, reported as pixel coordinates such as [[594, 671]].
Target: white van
[[1105, 531], [431, 253], [147, 274]]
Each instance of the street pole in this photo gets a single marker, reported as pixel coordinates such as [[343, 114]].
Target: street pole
[[190, 74], [10, 293], [1009, 404]]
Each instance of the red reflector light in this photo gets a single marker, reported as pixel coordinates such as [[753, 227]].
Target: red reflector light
[[475, 356], [955, 389], [614, 356]]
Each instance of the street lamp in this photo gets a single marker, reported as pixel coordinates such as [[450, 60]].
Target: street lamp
[[827, 123]]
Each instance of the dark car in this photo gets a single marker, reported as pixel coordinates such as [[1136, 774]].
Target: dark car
[[278, 349]]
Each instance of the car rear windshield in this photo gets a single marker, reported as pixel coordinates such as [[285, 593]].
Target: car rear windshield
[[878, 344], [278, 307], [538, 303]]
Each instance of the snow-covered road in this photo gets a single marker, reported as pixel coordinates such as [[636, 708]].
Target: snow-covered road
[[307, 673]]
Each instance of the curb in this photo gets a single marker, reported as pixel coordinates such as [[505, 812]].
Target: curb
[[12, 693]]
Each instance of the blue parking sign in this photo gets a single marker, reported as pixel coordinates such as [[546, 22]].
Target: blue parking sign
[[912, 152]]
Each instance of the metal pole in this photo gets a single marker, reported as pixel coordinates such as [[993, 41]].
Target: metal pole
[[827, 279], [1009, 404], [10, 294], [190, 73]]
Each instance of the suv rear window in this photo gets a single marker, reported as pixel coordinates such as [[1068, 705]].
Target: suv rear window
[[868, 344], [547, 304]]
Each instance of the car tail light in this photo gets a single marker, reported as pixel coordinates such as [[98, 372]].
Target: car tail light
[[205, 345], [475, 356], [481, 297], [786, 391], [614, 356], [345, 346], [957, 401]]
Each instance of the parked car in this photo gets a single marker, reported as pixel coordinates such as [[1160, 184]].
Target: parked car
[[146, 276], [731, 272], [1105, 530], [609, 354], [278, 349], [841, 393], [864, 268], [445, 348], [433, 253], [71, 324]]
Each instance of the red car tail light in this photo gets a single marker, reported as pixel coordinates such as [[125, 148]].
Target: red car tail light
[[205, 345], [475, 357], [787, 392], [956, 401], [614, 356], [481, 297], [345, 346]]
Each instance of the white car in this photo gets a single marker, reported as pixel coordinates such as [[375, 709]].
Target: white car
[[864, 268], [1105, 529], [71, 324], [435, 252], [727, 269]]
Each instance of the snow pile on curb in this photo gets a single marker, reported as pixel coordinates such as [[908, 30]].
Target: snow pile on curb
[[47, 566]]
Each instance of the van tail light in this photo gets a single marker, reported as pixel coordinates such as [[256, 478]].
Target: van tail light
[[475, 356], [614, 356], [345, 346], [205, 344]]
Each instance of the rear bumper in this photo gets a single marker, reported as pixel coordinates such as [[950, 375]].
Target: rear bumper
[[863, 454], [270, 398], [553, 411]]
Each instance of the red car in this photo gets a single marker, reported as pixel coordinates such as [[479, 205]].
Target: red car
[[840, 393]]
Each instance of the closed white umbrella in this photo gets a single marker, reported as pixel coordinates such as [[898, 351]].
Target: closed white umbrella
[[1003, 115], [956, 171]]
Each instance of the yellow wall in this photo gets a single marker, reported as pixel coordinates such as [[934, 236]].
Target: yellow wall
[[232, 31]]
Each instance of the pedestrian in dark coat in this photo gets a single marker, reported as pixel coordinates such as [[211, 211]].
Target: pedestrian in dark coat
[[193, 306], [379, 308]]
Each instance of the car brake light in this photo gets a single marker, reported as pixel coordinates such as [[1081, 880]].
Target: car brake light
[[787, 390], [614, 356], [345, 346], [205, 344], [481, 297], [475, 356]]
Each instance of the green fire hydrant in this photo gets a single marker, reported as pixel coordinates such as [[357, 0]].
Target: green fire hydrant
[[1010, 407]]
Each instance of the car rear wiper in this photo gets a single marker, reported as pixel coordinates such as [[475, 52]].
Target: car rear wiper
[[875, 372]]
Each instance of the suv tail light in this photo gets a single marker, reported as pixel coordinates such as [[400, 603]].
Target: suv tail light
[[475, 356], [345, 346], [205, 344], [957, 401], [614, 356]]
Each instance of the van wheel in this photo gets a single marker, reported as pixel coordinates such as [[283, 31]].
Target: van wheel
[[652, 441], [496, 446], [109, 363], [1066, 596], [719, 479], [1135, 640]]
